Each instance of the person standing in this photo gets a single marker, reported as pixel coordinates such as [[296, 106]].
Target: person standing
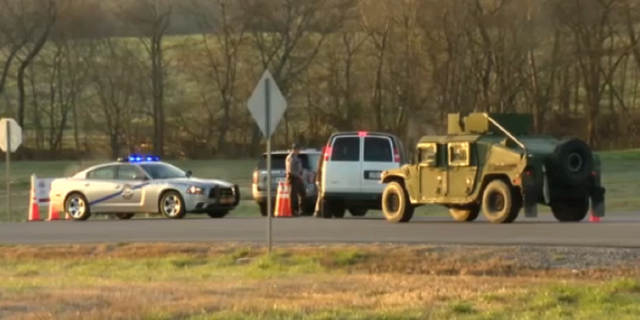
[[318, 211], [294, 179]]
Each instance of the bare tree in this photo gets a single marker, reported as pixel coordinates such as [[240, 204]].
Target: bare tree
[[221, 58], [45, 21], [115, 73], [288, 35], [153, 18], [588, 21]]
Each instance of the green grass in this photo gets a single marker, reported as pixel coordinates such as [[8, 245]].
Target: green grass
[[620, 176], [125, 282]]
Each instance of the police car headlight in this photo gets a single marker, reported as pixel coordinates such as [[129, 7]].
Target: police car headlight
[[195, 190]]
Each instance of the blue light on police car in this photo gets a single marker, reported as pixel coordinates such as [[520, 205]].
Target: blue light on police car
[[138, 158]]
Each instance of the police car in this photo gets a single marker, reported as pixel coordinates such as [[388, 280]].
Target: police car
[[141, 184]]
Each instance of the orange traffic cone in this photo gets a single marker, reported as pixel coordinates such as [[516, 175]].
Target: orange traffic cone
[[283, 201], [34, 211], [593, 217], [53, 213]]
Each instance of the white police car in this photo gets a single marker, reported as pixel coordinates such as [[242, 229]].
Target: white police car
[[141, 184]]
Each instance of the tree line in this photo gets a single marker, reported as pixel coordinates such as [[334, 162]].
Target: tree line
[[87, 79]]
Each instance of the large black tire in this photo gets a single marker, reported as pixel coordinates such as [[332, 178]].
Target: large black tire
[[465, 214], [572, 161], [217, 214], [570, 210], [169, 198], [396, 206], [77, 207], [358, 212], [125, 216], [500, 204]]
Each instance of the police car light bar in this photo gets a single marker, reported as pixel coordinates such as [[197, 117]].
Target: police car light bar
[[139, 158]]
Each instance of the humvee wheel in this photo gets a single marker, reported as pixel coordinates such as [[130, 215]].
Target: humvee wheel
[[570, 210], [465, 214], [499, 205], [396, 206]]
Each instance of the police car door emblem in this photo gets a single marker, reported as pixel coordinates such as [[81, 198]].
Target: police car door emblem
[[127, 192]]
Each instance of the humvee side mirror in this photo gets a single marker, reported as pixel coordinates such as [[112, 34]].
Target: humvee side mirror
[[189, 173]]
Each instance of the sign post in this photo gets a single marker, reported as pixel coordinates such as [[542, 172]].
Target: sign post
[[267, 106], [10, 140]]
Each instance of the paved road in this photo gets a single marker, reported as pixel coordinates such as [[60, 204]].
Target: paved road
[[618, 231]]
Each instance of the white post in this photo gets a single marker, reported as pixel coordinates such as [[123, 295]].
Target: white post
[[268, 127], [9, 172]]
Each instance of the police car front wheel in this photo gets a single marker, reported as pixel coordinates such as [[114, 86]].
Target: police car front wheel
[[172, 205]]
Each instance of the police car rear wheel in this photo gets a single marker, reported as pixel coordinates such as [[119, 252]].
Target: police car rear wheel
[[172, 205], [76, 207]]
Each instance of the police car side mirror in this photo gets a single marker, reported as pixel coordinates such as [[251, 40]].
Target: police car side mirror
[[189, 173]]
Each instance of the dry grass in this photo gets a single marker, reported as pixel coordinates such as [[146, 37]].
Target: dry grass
[[193, 281]]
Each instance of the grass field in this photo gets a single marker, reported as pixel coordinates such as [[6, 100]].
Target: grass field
[[620, 177], [198, 281]]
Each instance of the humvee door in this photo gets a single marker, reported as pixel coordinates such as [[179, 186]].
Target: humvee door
[[462, 170], [433, 174]]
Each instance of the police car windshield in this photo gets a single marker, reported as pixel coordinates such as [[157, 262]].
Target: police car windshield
[[162, 171]]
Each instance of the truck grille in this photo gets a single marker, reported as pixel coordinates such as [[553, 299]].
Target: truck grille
[[217, 193]]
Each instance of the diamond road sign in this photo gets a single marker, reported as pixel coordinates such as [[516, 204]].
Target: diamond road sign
[[10, 130], [267, 105]]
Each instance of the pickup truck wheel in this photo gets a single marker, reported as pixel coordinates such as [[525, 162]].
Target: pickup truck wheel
[[358, 212], [124, 216], [499, 205], [465, 214], [570, 210], [77, 207], [396, 206], [171, 205]]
